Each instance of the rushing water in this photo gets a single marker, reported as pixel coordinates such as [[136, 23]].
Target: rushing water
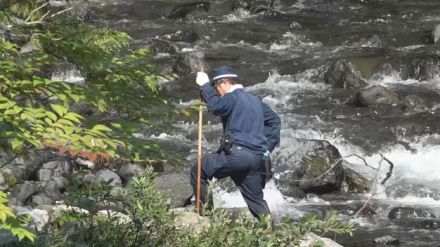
[[281, 57]]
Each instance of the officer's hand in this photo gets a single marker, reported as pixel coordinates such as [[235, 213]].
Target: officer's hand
[[202, 78]]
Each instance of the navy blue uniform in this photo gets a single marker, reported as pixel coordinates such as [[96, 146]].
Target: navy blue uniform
[[254, 128]]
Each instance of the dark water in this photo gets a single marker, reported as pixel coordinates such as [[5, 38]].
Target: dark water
[[281, 55]]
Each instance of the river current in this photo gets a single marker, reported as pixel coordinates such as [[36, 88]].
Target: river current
[[280, 55]]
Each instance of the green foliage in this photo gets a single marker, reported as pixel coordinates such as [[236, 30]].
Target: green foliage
[[147, 222], [13, 223], [36, 111]]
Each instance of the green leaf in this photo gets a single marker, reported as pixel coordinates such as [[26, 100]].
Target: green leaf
[[100, 127], [17, 144], [59, 109]]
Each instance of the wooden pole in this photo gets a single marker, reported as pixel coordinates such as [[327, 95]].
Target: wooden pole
[[199, 155], [199, 161]]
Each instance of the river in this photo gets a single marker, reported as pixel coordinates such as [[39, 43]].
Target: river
[[281, 54]]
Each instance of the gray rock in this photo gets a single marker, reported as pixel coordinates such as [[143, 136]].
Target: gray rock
[[354, 182], [110, 177], [188, 63], [387, 240], [40, 218], [409, 212], [23, 192], [176, 185], [421, 67], [42, 199], [45, 174], [52, 190], [128, 171], [343, 74], [183, 11], [373, 95], [314, 166]]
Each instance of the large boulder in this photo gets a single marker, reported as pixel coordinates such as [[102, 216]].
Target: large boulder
[[373, 95], [314, 166], [342, 74]]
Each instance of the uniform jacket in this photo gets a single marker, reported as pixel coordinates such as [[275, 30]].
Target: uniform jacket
[[250, 122]]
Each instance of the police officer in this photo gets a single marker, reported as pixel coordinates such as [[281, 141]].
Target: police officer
[[251, 129]]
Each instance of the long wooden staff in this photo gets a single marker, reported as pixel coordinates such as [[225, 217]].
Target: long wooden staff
[[199, 155]]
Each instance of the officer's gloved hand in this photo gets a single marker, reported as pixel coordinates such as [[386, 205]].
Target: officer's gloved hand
[[202, 78]]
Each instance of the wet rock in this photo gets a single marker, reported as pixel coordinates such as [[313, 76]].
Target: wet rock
[[342, 74], [386, 240], [373, 95], [314, 166], [421, 67], [161, 46], [291, 191], [253, 6], [354, 182], [371, 42], [105, 175], [189, 36], [183, 10], [409, 212], [187, 64]]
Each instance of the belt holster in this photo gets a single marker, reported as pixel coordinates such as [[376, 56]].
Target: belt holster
[[226, 144]]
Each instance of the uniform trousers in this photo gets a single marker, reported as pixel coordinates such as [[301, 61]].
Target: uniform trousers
[[245, 169]]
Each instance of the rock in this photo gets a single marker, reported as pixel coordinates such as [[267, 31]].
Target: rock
[[409, 212], [85, 163], [312, 239], [189, 219], [183, 10], [387, 240], [342, 74], [176, 185], [371, 42], [188, 36], [354, 182], [23, 192], [42, 199], [436, 33], [161, 46], [373, 95], [56, 168], [40, 218], [307, 165], [109, 177], [53, 190], [421, 67], [128, 171], [187, 64]]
